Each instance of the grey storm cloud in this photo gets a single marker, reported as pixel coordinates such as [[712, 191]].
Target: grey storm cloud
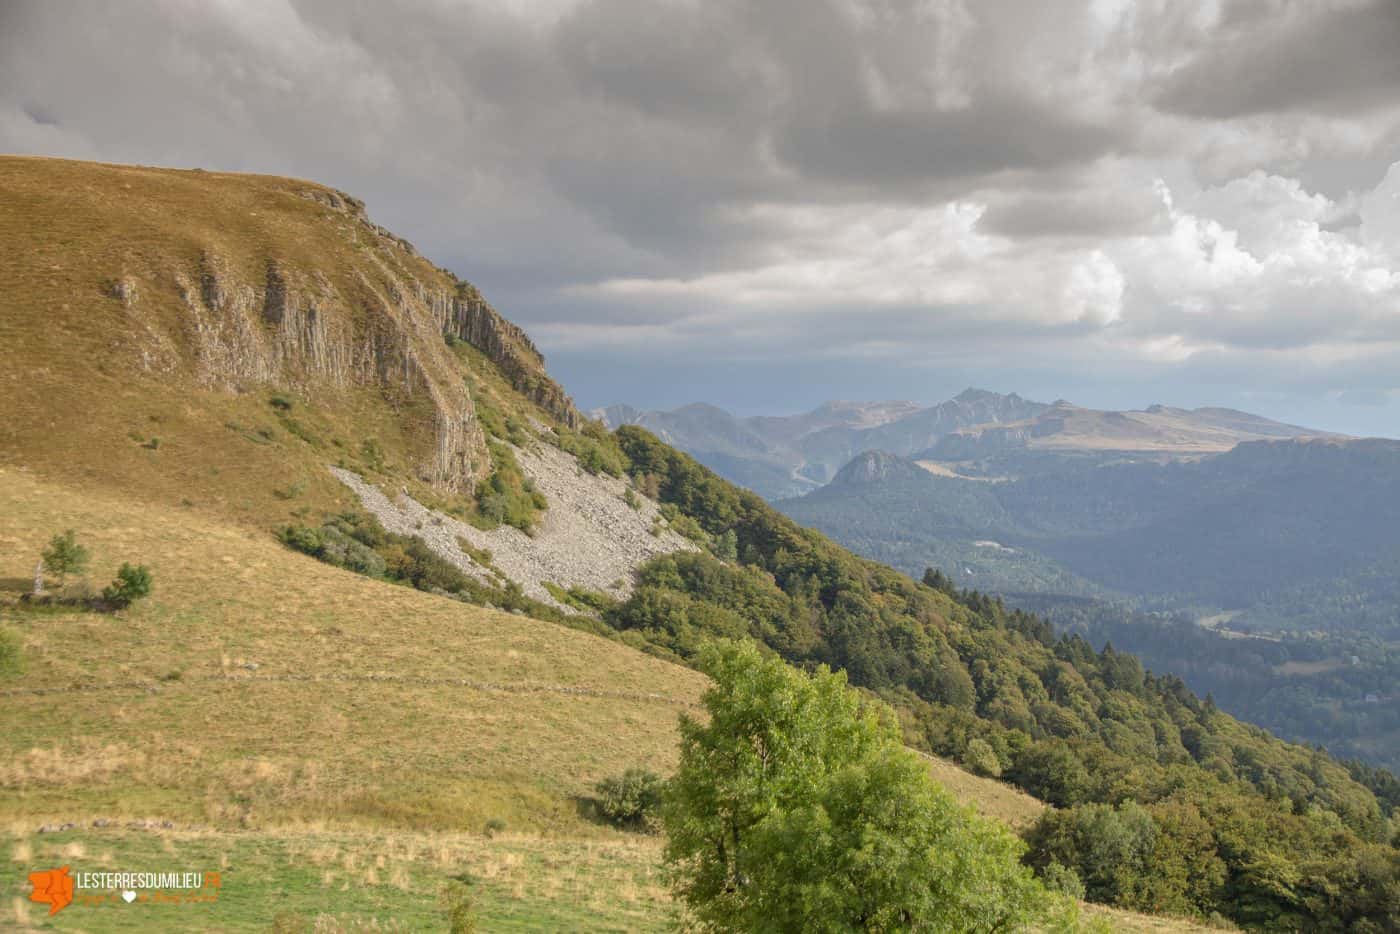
[[1156, 184], [1303, 55]]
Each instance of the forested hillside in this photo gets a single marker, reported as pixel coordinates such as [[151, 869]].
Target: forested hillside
[[1165, 803]]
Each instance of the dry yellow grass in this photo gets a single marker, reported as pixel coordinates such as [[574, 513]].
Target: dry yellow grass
[[257, 685], [990, 797]]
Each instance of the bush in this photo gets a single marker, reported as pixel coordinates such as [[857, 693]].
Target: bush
[[632, 799], [1060, 878], [458, 903], [65, 556], [303, 538], [132, 584], [982, 759]]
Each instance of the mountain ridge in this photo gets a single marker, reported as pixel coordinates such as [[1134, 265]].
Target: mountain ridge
[[783, 456]]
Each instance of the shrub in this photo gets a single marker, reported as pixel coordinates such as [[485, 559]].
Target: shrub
[[458, 903], [1061, 878], [982, 758], [65, 556], [632, 799], [507, 496], [304, 539], [132, 584]]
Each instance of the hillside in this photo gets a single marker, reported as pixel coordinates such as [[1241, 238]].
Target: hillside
[[260, 691], [434, 721], [153, 313]]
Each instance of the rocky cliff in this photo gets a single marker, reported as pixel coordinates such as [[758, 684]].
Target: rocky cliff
[[234, 284]]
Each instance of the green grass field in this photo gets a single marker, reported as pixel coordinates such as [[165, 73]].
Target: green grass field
[[319, 879]]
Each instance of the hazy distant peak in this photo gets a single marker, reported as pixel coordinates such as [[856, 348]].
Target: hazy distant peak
[[877, 467], [973, 394]]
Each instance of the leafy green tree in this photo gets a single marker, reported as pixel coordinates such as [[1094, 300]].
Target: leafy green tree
[[65, 556], [1052, 772], [796, 807], [132, 584], [727, 545]]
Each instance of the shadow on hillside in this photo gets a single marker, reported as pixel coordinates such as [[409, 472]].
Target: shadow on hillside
[[18, 585]]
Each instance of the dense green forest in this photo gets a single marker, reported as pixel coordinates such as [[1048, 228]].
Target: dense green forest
[[1335, 689], [1291, 542]]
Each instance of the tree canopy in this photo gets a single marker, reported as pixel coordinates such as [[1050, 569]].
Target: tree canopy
[[797, 807]]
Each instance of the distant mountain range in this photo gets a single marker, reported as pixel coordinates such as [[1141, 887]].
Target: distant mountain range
[[784, 456]]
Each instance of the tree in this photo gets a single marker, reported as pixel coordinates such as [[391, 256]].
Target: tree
[[796, 807], [65, 556], [132, 584]]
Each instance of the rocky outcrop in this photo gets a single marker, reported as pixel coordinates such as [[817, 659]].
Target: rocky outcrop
[[467, 316], [589, 537], [384, 320], [295, 329]]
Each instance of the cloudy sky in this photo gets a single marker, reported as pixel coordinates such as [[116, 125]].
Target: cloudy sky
[[766, 204]]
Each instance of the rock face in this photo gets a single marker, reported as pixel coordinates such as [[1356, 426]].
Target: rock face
[[467, 316], [345, 306]]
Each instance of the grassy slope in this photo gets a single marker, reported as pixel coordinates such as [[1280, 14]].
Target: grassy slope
[[347, 774]]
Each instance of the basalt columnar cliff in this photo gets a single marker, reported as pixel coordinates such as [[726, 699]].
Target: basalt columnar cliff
[[234, 284]]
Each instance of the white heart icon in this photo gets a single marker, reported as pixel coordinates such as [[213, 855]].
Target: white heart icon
[[128, 897]]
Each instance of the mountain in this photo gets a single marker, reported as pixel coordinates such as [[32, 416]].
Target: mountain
[[878, 467], [976, 432], [410, 607], [155, 312], [1157, 430], [893, 510], [1230, 530], [779, 456]]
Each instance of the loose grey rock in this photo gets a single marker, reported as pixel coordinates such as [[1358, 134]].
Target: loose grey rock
[[588, 537]]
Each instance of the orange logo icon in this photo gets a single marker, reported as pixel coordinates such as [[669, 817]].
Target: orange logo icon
[[53, 887]]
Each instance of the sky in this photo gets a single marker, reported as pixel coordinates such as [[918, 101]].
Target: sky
[[767, 204]]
